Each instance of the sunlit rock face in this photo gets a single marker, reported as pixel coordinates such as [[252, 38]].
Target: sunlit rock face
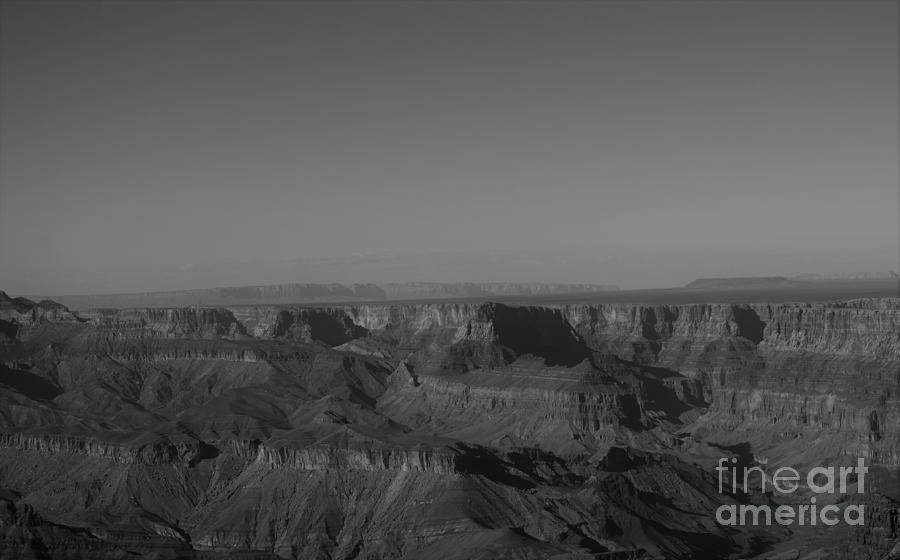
[[435, 430]]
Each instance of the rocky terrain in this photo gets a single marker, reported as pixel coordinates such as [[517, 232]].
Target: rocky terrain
[[438, 430]]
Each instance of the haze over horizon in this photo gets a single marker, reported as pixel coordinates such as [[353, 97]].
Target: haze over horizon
[[160, 146]]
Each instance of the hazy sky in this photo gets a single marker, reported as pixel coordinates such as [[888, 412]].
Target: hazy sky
[[161, 145]]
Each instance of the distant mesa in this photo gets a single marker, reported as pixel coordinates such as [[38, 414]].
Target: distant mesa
[[744, 282], [881, 275], [798, 281], [327, 293]]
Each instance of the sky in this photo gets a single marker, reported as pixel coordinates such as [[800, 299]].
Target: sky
[[173, 145]]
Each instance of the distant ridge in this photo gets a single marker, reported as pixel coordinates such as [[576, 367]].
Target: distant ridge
[[326, 293], [882, 275], [800, 280], [743, 282]]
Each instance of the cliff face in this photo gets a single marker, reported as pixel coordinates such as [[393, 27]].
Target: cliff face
[[416, 430], [331, 326], [861, 326], [158, 452], [171, 323], [787, 368]]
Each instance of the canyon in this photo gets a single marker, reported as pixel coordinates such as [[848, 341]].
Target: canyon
[[445, 429]]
